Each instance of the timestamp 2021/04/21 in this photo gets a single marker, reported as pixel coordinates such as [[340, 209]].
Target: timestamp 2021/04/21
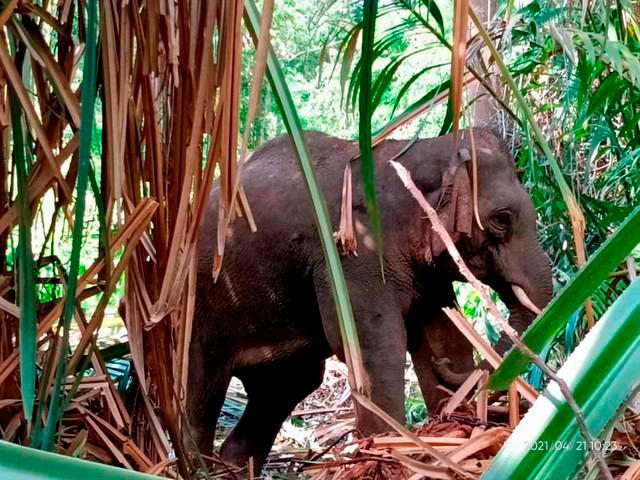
[[579, 445]]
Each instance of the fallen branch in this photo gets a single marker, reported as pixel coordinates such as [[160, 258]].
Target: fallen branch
[[483, 292]]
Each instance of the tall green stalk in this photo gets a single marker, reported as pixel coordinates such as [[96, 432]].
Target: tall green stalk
[[601, 373], [28, 330], [23, 463], [365, 103], [89, 74]]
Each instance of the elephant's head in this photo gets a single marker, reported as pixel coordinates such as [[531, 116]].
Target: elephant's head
[[504, 253]]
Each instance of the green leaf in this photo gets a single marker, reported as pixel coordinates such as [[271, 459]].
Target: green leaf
[[447, 122], [89, 75], [405, 87], [291, 120], [434, 11], [425, 22], [601, 374], [347, 58], [116, 351], [411, 110], [385, 77], [28, 329], [367, 169], [541, 332], [23, 463], [392, 37]]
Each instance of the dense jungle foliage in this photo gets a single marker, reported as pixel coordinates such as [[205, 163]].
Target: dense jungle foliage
[[116, 119]]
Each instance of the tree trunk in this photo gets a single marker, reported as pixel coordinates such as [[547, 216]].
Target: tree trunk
[[484, 108]]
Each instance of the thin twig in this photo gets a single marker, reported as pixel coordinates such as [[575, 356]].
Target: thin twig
[[483, 292]]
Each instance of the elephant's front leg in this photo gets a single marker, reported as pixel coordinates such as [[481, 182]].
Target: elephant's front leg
[[383, 343]]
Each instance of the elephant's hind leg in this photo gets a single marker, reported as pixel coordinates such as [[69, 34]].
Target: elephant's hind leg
[[273, 390], [207, 387]]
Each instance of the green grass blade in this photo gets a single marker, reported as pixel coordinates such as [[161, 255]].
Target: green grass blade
[[102, 220], [325, 231], [557, 313], [365, 103], [601, 373], [88, 88], [26, 288], [23, 463]]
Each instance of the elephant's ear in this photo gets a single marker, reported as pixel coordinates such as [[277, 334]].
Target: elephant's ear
[[455, 206]]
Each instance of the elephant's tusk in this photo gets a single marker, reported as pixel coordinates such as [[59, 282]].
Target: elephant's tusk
[[524, 299]]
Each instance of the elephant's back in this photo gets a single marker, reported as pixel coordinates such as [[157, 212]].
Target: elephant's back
[[277, 194], [275, 165], [266, 275]]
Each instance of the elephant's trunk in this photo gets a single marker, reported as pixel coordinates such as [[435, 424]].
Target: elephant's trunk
[[446, 375], [526, 291]]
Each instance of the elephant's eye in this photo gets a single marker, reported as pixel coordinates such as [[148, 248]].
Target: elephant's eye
[[501, 221]]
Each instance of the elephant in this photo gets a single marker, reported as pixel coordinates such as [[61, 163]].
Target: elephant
[[270, 318]]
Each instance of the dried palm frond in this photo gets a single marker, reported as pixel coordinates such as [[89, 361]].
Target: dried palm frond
[[170, 101]]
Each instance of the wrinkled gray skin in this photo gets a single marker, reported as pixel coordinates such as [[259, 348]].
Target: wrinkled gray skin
[[271, 321]]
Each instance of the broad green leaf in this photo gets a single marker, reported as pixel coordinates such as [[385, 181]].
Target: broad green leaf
[[337, 281], [367, 164], [601, 374], [546, 327], [26, 288], [23, 463], [89, 75]]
